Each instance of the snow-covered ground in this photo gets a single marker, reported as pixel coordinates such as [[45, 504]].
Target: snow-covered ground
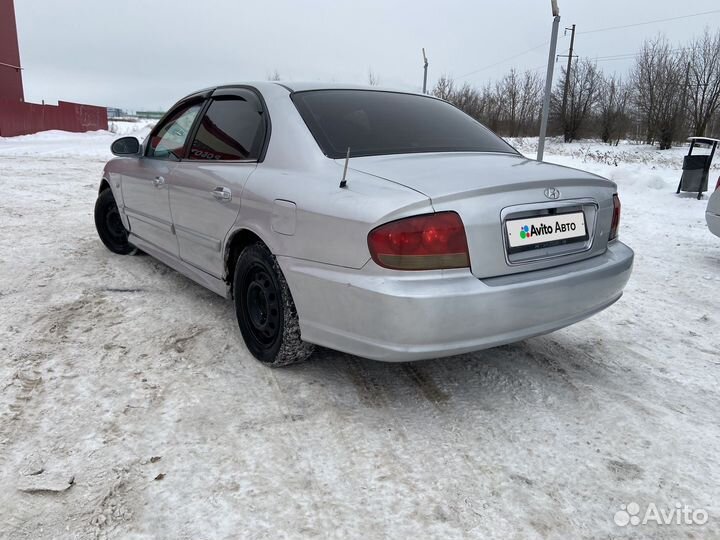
[[134, 381]]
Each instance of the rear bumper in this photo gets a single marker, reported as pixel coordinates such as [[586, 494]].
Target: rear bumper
[[401, 316], [713, 222]]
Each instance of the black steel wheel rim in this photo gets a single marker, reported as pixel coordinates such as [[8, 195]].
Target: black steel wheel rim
[[114, 225], [261, 305]]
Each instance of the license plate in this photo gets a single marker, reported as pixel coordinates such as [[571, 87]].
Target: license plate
[[544, 231]]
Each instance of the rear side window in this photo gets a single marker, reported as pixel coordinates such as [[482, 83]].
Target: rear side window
[[232, 129], [372, 122]]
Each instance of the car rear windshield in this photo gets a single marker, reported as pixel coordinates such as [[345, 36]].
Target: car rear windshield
[[372, 122]]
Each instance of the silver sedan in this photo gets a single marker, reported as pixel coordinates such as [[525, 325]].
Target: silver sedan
[[712, 214], [385, 224]]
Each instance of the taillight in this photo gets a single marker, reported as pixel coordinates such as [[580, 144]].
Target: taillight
[[717, 186], [427, 242], [615, 218]]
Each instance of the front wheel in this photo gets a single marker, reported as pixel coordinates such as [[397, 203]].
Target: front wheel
[[109, 226], [265, 309]]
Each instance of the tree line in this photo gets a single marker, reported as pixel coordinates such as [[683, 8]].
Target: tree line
[[669, 93]]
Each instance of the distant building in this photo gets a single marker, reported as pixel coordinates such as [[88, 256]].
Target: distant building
[[17, 117], [113, 112], [11, 86], [150, 114]]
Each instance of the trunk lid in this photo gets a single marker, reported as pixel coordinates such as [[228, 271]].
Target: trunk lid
[[491, 191]]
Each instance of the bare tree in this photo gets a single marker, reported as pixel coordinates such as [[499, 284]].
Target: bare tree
[[660, 80], [492, 105], [583, 90], [667, 91], [510, 107], [704, 81], [466, 98], [519, 99], [469, 100], [274, 76], [530, 104], [508, 93], [373, 79], [613, 118], [714, 129], [444, 88]]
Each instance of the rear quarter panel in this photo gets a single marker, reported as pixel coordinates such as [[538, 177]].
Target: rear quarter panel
[[331, 223], [712, 214]]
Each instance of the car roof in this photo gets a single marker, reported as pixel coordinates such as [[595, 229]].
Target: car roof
[[305, 86], [302, 86]]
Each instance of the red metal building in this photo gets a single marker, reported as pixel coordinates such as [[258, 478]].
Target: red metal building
[[18, 117]]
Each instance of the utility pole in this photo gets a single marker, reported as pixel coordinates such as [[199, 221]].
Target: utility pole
[[548, 80], [567, 73], [425, 72], [685, 96]]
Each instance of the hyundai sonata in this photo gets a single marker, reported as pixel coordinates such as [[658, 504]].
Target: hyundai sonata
[[385, 224], [712, 214]]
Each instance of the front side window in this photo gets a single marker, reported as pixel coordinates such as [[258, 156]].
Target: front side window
[[168, 141], [372, 122], [232, 129]]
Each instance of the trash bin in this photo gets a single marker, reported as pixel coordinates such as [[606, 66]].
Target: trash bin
[[696, 168], [695, 173]]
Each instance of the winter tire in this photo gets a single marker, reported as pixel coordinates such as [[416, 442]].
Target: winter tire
[[265, 309], [109, 226]]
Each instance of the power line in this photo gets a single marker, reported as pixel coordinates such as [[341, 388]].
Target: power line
[[650, 22], [505, 60], [628, 56], [615, 57]]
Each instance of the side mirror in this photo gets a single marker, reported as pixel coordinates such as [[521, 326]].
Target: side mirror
[[126, 146]]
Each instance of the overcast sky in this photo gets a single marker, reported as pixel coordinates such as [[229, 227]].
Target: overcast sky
[[146, 54]]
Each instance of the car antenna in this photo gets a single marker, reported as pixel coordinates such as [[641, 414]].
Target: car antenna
[[343, 182]]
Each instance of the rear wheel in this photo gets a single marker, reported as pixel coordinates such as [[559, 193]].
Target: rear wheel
[[109, 226], [265, 309]]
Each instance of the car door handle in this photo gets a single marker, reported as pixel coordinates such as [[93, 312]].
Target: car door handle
[[222, 194], [159, 181]]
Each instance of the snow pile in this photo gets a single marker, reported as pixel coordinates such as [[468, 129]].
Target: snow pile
[[62, 144], [126, 128], [126, 389], [595, 151], [635, 167]]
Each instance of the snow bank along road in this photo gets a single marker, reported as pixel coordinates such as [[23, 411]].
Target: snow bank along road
[[133, 381]]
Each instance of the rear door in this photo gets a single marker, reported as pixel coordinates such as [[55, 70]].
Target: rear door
[[206, 187], [145, 186]]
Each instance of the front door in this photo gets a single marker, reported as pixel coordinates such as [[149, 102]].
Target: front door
[[206, 187], [145, 186]]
